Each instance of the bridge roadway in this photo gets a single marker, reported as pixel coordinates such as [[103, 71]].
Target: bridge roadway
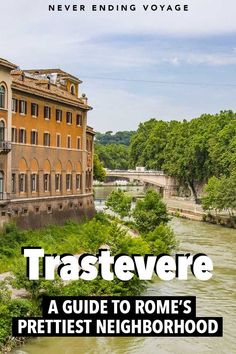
[[166, 184]]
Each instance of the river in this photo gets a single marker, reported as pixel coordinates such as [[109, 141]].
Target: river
[[216, 297]]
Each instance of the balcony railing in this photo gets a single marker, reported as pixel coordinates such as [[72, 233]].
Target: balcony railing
[[5, 147]]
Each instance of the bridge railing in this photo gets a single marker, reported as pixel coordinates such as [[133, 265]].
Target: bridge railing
[[149, 172]]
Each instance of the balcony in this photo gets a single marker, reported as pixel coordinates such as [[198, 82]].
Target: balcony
[[4, 198], [5, 147]]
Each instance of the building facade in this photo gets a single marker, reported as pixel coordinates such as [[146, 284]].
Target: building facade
[[46, 147]]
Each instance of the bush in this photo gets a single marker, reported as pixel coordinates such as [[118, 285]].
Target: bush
[[10, 308]]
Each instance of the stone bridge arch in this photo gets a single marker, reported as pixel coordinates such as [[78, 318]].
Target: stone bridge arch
[[164, 184]]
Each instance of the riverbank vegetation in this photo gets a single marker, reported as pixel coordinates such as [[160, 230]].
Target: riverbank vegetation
[[87, 237], [148, 218], [191, 151]]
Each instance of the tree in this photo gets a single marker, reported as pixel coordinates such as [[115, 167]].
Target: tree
[[139, 141], [190, 151], [211, 199], [220, 194], [150, 212], [99, 171], [119, 202], [223, 149], [161, 239]]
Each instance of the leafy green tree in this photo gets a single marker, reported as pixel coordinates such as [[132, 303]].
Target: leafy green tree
[[186, 156], [190, 151], [139, 141], [119, 202], [161, 239], [210, 201], [99, 172], [150, 212], [220, 194], [222, 149]]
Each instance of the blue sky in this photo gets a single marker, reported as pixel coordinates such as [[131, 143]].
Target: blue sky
[[132, 64]]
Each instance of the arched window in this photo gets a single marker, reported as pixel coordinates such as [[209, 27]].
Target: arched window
[[72, 89], [2, 130], [2, 96]]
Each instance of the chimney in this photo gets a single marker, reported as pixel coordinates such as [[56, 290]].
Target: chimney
[[84, 98], [49, 82]]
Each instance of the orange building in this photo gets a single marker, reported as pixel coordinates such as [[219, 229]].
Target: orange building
[[46, 147]]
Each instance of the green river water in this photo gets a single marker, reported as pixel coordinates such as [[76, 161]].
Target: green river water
[[216, 297]]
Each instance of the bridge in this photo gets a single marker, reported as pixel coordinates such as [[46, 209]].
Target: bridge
[[166, 185]]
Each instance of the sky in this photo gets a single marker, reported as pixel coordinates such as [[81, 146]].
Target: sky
[[134, 65]]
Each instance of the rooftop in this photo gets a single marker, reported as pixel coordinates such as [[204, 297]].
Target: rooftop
[[7, 64], [48, 83], [53, 73]]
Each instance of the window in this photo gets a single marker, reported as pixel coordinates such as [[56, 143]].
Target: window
[[78, 143], [2, 130], [68, 182], [34, 137], [22, 136], [13, 183], [46, 181], [58, 140], [34, 182], [72, 89], [34, 109], [68, 117], [47, 112], [58, 115], [79, 119], [78, 181], [68, 142], [22, 182], [2, 96], [88, 179], [23, 107], [14, 105], [14, 135], [58, 182], [46, 139]]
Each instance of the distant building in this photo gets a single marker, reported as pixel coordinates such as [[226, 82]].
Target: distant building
[[46, 147]]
